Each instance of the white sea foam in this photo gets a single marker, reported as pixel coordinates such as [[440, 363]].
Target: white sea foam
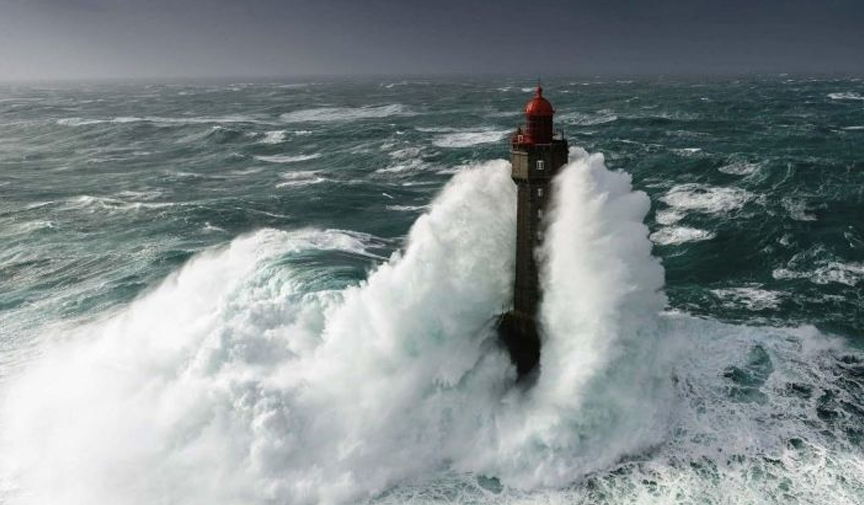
[[749, 297], [392, 85], [405, 152], [27, 227], [238, 380], [739, 168], [301, 178], [407, 160], [339, 114], [846, 95], [404, 166], [582, 119], [283, 158], [407, 208], [688, 152], [77, 121], [438, 129], [700, 198], [274, 137], [91, 203], [213, 228], [675, 235], [470, 138], [140, 195], [850, 274], [798, 209]]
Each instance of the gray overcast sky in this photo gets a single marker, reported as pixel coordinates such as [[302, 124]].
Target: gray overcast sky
[[80, 39]]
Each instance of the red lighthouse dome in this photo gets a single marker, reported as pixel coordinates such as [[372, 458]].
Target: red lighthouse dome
[[539, 106], [538, 119]]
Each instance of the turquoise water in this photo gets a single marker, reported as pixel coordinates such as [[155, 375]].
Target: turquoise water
[[276, 202]]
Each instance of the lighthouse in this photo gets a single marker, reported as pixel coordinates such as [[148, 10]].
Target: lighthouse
[[537, 153]]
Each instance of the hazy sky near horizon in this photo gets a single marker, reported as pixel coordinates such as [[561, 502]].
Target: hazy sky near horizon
[[93, 39]]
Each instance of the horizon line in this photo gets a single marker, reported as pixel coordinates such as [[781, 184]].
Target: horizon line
[[334, 77]]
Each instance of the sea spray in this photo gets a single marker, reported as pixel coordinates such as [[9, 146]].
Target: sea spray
[[230, 383], [163, 400], [601, 283], [407, 368], [603, 357]]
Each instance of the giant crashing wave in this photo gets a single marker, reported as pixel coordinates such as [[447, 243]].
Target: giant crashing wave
[[241, 380]]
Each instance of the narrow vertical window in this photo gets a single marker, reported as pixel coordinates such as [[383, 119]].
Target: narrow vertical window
[[540, 165], [539, 191]]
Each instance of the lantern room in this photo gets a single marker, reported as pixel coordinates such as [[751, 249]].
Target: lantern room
[[538, 119]]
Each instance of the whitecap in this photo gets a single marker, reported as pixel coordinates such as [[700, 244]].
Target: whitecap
[[748, 297], [210, 228], [438, 129], [109, 204], [798, 209], [274, 137], [247, 171], [701, 198], [301, 178], [405, 152], [77, 121], [669, 216], [739, 168], [281, 158], [407, 208], [687, 151], [846, 95], [470, 138], [392, 85], [30, 226], [407, 159], [141, 195], [589, 119], [410, 165], [338, 114], [206, 120], [849, 274], [680, 234]]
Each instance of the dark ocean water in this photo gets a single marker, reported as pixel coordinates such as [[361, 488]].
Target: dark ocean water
[[756, 190]]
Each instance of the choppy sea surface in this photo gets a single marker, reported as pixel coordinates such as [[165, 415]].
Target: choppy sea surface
[[282, 292]]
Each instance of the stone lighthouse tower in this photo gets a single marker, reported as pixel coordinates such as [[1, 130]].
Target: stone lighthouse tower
[[536, 154]]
